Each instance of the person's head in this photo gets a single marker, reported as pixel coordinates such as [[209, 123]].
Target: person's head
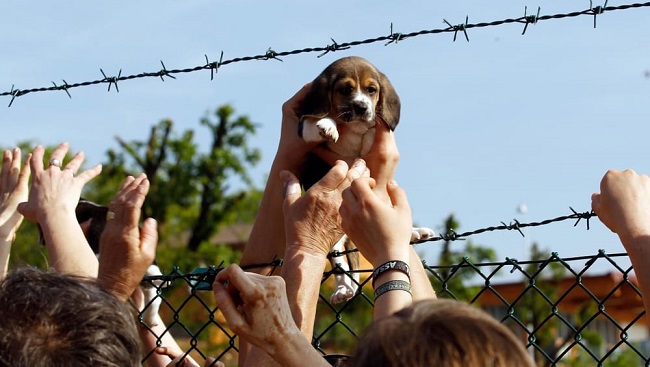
[[51, 319], [440, 333]]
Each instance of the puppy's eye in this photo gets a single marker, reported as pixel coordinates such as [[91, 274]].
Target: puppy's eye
[[371, 90], [345, 90]]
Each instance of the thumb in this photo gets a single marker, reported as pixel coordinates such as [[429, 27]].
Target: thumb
[[291, 187], [595, 202], [397, 195], [149, 237]]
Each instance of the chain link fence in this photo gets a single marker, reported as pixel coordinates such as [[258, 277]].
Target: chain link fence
[[564, 311]]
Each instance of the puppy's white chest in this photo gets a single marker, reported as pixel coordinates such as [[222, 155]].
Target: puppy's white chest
[[351, 139]]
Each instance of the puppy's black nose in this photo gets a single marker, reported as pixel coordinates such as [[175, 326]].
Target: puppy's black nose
[[360, 108]]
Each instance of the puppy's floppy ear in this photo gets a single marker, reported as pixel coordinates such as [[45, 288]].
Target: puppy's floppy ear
[[317, 100], [389, 104]]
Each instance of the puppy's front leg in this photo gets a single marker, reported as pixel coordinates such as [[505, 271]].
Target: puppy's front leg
[[318, 130], [346, 284]]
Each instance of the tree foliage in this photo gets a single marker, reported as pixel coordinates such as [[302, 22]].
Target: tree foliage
[[454, 277], [191, 192]]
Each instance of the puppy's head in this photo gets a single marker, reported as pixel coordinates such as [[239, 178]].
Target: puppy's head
[[352, 89]]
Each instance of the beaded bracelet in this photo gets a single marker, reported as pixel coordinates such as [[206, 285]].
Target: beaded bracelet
[[393, 285], [391, 265]]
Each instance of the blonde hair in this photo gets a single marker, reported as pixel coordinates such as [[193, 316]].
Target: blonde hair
[[440, 333]]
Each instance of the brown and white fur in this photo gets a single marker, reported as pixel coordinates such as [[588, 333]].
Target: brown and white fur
[[341, 109]]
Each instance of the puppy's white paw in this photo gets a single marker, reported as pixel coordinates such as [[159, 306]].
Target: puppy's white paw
[[327, 129], [421, 233], [342, 293]]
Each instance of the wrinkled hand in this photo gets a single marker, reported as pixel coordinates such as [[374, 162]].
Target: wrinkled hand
[[126, 251], [55, 190], [381, 231], [13, 191], [312, 220], [623, 203], [255, 307]]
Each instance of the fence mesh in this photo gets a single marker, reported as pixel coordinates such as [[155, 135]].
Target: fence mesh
[[565, 312]]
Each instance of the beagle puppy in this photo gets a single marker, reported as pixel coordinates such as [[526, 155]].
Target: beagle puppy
[[341, 110]]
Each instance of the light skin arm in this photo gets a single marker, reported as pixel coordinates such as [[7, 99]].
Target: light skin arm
[[256, 308], [267, 239], [623, 205], [382, 232], [52, 200], [13, 190], [312, 227]]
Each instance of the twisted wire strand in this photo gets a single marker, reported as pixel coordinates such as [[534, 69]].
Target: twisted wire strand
[[270, 54]]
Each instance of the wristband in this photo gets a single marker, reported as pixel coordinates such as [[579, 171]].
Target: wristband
[[393, 285], [391, 265]]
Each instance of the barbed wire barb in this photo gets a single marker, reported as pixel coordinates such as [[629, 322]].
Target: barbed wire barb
[[270, 54], [14, 93], [597, 10], [514, 226], [530, 19], [112, 80], [394, 36], [161, 73], [460, 27], [64, 88], [333, 47]]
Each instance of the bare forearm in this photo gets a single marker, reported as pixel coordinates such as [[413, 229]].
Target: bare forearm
[[5, 251], [267, 237], [639, 251], [303, 271], [67, 247], [420, 283]]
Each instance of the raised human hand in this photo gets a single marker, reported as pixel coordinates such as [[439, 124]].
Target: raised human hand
[[55, 190], [623, 203], [381, 231], [312, 220], [14, 190], [126, 250]]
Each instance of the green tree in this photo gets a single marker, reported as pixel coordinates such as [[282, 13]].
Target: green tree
[[452, 273], [190, 192]]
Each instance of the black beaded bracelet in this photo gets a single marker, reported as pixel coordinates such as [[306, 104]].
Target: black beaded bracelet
[[391, 265], [393, 285]]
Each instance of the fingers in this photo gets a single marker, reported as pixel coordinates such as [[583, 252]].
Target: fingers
[[227, 305], [127, 203], [397, 195], [89, 174], [60, 152], [37, 158], [23, 177], [293, 104], [291, 187], [75, 163], [595, 202], [149, 238]]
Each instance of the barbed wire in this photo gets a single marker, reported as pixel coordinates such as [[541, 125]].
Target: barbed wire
[[514, 225], [392, 38]]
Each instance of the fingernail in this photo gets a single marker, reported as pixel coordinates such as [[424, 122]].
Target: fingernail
[[392, 182]]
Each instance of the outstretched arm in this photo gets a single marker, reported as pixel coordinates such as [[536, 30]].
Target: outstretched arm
[[257, 309], [52, 200], [623, 205], [13, 191]]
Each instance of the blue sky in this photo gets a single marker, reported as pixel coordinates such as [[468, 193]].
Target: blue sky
[[486, 125]]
